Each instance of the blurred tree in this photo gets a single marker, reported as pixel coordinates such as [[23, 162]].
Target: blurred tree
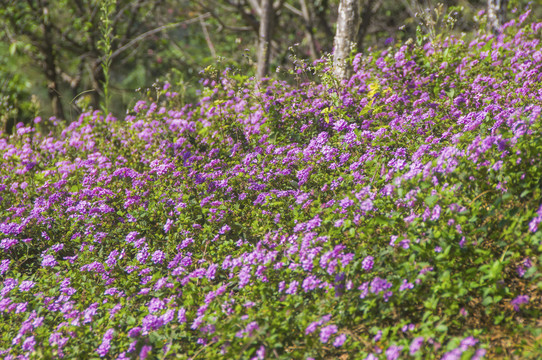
[[55, 48], [348, 23], [266, 27], [496, 14], [64, 37], [309, 29]]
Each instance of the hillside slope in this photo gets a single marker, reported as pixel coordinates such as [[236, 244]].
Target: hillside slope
[[395, 216]]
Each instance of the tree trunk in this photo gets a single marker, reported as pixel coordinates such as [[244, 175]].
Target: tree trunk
[[97, 80], [50, 65], [348, 22], [496, 14], [366, 16], [264, 39]]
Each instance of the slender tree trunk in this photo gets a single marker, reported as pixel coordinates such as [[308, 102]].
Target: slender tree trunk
[[264, 39], [366, 16], [348, 23], [50, 65], [496, 14], [97, 80], [309, 29]]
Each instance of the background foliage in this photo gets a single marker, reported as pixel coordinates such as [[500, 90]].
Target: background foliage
[[165, 39]]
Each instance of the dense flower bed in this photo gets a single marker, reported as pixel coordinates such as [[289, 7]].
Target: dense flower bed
[[395, 216]]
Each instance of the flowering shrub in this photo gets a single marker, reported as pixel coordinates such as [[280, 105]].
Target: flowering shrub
[[394, 216]]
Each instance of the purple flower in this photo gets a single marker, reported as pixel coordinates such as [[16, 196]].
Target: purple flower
[[114, 310], [48, 261], [122, 356], [112, 258], [29, 343], [131, 237], [364, 288], [168, 316], [104, 347], [21, 307], [378, 285], [151, 322], [393, 352], [346, 203], [260, 353], [248, 331], [435, 213], [5, 244], [416, 345], [244, 276], [311, 282], [340, 125], [455, 354], [167, 225], [405, 285], [26, 285], [156, 305], [224, 229], [158, 257], [533, 225], [312, 327], [211, 271], [4, 266], [181, 315], [367, 263], [303, 175], [145, 350], [521, 299], [292, 288], [339, 340], [326, 332], [134, 332], [467, 342], [479, 354], [142, 255]]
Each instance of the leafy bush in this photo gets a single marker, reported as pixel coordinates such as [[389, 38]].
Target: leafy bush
[[395, 215]]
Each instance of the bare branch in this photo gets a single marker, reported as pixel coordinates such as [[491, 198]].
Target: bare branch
[[134, 12], [278, 5], [309, 29], [255, 6], [79, 6], [294, 10], [207, 37], [154, 31], [248, 17], [222, 24]]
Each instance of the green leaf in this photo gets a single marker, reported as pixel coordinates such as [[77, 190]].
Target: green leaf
[[488, 300], [431, 200], [12, 48]]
